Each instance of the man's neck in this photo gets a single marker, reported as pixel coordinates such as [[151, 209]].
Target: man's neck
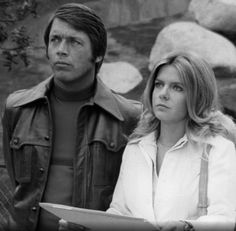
[[68, 95], [78, 84]]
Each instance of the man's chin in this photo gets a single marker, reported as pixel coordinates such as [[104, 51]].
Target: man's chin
[[61, 71], [62, 74], [64, 78]]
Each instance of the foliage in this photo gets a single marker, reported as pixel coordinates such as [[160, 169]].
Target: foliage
[[12, 11], [22, 40]]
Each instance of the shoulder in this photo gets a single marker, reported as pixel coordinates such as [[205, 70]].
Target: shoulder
[[130, 111], [222, 149], [141, 151], [220, 142], [132, 152], [25, 96], [128, 108], [15, 97], [217, 141], [147, 143], [131, 146]]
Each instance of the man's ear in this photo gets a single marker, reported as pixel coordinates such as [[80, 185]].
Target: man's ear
[[98, 59]]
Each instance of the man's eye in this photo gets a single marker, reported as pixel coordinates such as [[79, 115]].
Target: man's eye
[[74, 42], [54, 39]]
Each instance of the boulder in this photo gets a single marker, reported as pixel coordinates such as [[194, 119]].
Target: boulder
[[219, 15], [189, 36], [227, 93], [121, 77], [120, 12]]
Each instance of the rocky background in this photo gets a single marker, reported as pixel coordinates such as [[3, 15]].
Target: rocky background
[[140, 32]]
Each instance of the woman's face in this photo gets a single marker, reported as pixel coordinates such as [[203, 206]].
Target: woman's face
[[169, 96]]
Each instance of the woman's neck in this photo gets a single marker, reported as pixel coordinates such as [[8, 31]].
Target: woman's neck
[[171, 133]]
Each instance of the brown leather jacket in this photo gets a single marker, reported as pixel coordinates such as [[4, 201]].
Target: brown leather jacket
[[27, 132]]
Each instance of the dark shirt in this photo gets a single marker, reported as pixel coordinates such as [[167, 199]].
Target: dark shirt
[[65, 107]]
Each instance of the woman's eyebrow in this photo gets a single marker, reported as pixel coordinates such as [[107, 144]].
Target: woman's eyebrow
[[172, 83]]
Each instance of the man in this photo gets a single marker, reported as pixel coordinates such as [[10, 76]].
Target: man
[[64, 138]]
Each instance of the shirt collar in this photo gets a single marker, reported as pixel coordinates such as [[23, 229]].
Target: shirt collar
[[180, 143], [150, 139], [149, 146]]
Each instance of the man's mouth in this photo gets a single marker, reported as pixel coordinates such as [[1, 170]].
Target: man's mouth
[[61, 64]]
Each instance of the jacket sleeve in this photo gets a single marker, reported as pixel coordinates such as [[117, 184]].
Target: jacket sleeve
[[6, 146], [118, 205], [221, 184], [10, 224]]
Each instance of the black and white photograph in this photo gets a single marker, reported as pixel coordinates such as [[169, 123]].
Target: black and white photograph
[[118, 115]]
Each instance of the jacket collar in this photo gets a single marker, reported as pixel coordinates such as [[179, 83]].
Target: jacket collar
[[23, 97], [103, 97], [106, 99]]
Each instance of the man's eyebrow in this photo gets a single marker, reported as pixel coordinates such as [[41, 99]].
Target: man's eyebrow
[[65, 35]]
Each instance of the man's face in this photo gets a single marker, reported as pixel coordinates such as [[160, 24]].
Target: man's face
[[70, 53]]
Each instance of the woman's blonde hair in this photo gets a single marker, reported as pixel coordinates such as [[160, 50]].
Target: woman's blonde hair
[[204, 116]]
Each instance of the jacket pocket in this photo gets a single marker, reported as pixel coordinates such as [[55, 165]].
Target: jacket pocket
[[22, 151], [22, 156], [106, 164]]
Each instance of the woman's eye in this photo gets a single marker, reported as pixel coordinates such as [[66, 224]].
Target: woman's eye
[[178, 88], [158, 84]]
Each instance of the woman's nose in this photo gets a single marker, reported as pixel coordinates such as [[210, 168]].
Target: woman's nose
[[164, 94]]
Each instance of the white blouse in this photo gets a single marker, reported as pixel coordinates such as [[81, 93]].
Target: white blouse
[[173, 194]]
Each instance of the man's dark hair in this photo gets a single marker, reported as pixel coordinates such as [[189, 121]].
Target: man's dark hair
[[82, 18]]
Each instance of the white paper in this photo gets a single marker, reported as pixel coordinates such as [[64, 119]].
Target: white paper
[[97, 220]]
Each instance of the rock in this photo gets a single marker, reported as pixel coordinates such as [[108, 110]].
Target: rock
[[189, 36], [121, 77], [227, 93], [120, 12], [219, 15]]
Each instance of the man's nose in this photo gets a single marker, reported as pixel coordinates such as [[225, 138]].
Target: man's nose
[[62, 48], [165, 94]]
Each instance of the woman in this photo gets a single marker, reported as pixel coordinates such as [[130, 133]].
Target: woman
[[159, 176]]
